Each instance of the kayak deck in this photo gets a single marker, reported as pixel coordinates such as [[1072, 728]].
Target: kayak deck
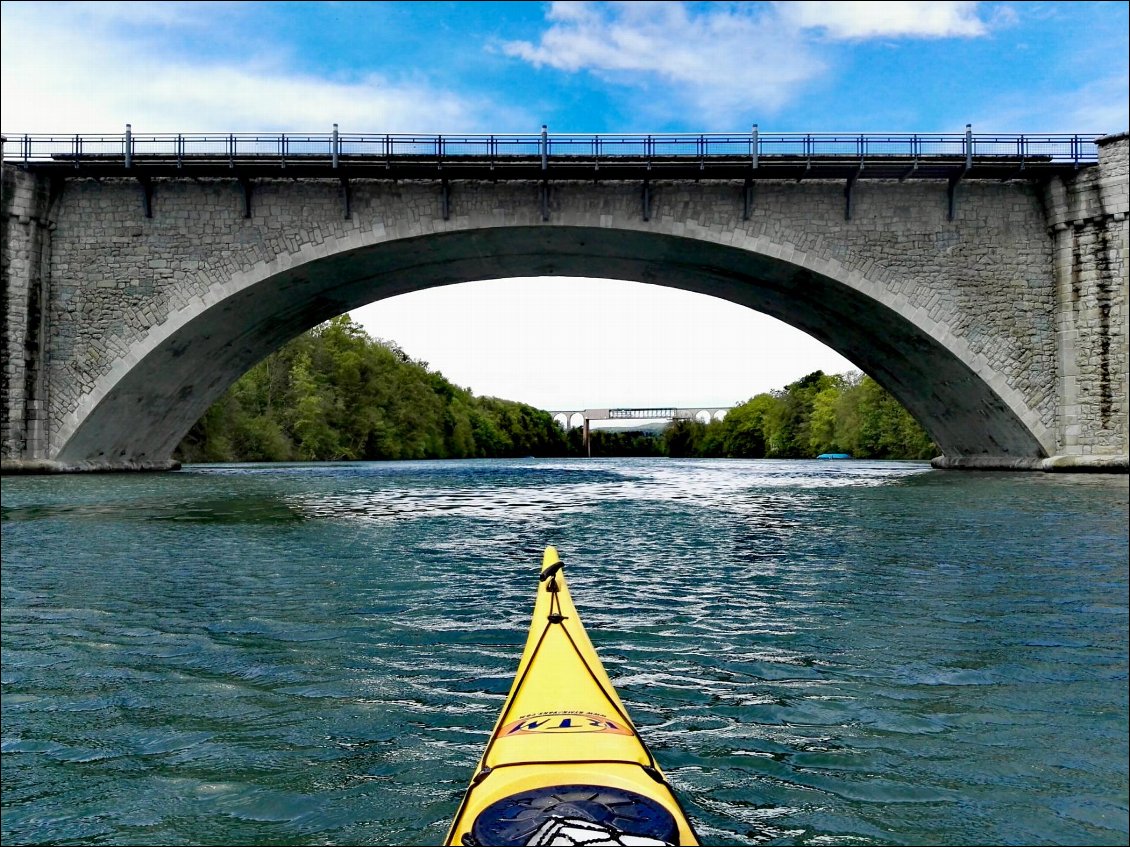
[[565, 764]]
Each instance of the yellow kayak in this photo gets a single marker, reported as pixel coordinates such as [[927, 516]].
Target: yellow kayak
[[565, 764]]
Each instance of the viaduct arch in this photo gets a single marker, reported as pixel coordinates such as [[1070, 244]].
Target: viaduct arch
[[1003, 331]]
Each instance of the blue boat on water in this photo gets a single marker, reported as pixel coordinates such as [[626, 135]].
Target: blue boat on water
[[834, 456]]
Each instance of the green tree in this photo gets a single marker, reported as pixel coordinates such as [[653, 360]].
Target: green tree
[[683, 438], [743, 428], [886, 430], [823, 429], [311, 406]]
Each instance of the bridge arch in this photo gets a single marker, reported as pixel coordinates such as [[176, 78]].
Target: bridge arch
[[139, 409]]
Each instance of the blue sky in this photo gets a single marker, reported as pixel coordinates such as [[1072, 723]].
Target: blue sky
[[509, 67]]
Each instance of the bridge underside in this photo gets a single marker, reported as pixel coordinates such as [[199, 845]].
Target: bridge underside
[[144, 415]]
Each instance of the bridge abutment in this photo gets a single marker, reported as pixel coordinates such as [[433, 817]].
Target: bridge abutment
[[1087, 220], [25, 255]]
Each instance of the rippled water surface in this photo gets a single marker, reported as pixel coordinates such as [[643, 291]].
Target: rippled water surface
[[817, 652]]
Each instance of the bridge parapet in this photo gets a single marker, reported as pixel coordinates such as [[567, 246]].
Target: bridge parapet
[[870, 154]]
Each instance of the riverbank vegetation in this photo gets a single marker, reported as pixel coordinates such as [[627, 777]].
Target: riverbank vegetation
[[334, 393], [846, 413]]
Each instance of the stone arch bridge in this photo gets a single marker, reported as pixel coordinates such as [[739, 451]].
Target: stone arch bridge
[[983, 281]]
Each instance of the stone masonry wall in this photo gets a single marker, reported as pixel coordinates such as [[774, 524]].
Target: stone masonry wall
[[987, 277], [25, 238], [1088, 220]]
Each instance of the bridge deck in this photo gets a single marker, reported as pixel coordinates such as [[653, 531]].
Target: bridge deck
[[623, 169]]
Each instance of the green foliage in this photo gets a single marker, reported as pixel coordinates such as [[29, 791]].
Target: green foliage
[[847, 413], [884, 428], [334, 393], [743, 433], [683, 438]]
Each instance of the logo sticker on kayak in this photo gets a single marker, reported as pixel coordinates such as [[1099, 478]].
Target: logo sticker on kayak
[[560, 723]]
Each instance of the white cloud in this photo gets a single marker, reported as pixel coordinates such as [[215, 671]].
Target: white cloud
[[847, 19], [724, 58], [1099, 107], [93, 68], [719, 60]]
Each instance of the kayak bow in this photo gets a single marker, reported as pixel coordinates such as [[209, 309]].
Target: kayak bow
[[565, 764]]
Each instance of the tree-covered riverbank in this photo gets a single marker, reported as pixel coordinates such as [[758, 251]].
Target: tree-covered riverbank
[[847, 413], [334, 393]]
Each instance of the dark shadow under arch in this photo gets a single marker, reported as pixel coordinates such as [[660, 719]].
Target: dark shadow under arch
[[145, 414]]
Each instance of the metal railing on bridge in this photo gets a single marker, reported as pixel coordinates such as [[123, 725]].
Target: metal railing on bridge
[[754, 149]]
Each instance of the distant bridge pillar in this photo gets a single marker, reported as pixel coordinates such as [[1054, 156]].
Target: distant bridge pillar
[[591, 415]]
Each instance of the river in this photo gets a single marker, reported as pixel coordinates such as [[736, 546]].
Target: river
[[817, 652]]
